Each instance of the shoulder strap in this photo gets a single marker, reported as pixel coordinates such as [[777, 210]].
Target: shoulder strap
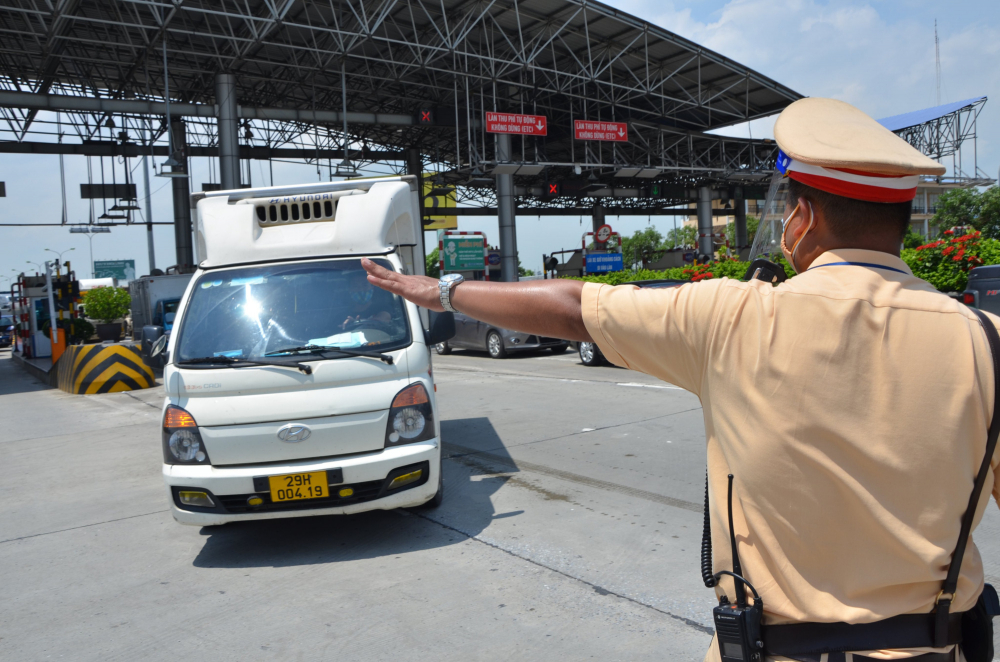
[[947, 594]]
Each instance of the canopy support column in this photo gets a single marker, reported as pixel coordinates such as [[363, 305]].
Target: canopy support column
[[182, 197], [229, 127], [506, 214], [705, 246]]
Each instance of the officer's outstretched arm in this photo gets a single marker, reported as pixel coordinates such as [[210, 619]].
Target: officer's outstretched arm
[[543, 307]]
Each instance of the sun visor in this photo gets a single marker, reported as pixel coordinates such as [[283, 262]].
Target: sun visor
[[362, 221]]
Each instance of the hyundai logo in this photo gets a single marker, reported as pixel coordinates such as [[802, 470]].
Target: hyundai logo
[[293, 433]]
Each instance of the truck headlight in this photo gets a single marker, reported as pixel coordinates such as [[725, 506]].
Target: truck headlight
[[182, 442], [410, 417]]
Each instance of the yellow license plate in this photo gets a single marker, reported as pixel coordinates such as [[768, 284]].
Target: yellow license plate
[[293, 487]]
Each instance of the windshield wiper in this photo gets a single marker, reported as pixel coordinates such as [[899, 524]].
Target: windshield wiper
[[236, 362], [320, 349]]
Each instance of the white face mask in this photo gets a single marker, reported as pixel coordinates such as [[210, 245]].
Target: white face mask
[[790, 253]]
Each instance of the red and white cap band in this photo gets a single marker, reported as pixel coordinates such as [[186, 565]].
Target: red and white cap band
[[851, 183]]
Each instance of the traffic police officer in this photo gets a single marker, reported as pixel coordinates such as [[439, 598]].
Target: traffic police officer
[[851, 403]]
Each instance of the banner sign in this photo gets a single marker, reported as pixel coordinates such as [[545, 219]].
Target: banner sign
[[463, 252], [613, 131], [519, 125], [436, 203], [120, 269], [598, 263]]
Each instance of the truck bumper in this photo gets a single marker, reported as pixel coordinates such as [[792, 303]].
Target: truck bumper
[[368, 476]]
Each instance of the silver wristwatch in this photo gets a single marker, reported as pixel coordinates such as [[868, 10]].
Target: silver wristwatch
[[446, 284]]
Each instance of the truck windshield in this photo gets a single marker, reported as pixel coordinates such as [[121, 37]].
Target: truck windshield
[[254, 312]]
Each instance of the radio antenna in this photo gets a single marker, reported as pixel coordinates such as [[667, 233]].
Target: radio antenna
[[741, 591]]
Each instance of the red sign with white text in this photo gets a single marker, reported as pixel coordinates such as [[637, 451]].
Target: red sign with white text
[[519, 125], [588, 130]]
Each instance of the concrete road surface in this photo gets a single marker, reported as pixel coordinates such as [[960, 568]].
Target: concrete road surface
[[570, 531]]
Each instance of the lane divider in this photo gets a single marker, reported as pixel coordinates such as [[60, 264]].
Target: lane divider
[[90, 369]]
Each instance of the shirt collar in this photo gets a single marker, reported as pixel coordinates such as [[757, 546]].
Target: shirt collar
[[857, 255]]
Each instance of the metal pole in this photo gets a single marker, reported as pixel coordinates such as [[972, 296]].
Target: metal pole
[[149, 213], [705, 246], [182, 199], [229, 127], [62, 171], [53, 333], [740, 209], [506, 214], [597, 218], [90, 240]]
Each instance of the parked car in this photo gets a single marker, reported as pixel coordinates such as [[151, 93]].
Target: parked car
[[590, 353], [6, 330], [473, 334], [983, 290]]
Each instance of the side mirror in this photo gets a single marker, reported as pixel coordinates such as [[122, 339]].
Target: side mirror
[[152, 336], [442, 327]]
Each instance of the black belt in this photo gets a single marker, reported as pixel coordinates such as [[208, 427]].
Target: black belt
[[903, 631]]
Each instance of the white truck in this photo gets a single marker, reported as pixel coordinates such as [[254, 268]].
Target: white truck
[[293, 386], [155, 300]]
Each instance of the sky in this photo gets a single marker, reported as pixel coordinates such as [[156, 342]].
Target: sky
[[877, 55]]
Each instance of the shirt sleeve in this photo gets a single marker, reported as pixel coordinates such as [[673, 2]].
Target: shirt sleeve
[[664, 332]]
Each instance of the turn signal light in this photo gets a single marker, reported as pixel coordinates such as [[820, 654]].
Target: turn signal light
[[414, 394], [178, 418], [406, 479], [198, 499]]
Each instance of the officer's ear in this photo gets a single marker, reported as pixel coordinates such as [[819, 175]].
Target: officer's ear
[[801, 219]]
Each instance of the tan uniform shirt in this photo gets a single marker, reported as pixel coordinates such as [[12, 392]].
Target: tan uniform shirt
[[851, 403]]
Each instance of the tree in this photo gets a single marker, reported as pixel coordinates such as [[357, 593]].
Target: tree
[[682, 237], [989, 212], [107, 304], [957, 207], [432, 266], [641, 247]]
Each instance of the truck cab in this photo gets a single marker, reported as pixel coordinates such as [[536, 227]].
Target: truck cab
[[293, 386]]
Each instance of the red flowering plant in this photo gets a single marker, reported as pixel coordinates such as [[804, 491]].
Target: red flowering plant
[[946, 263]]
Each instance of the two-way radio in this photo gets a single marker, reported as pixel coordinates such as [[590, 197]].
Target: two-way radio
[[737, 626]]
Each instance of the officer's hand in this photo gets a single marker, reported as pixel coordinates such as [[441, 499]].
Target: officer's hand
[[421, 290]]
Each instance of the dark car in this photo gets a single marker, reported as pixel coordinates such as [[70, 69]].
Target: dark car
[[473, 334], [590, 353], [6, 330], [983, 290]]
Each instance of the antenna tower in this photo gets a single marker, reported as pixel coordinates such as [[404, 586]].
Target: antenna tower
[[937, 62]]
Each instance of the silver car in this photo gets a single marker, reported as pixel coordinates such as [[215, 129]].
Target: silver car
[[473, 334]]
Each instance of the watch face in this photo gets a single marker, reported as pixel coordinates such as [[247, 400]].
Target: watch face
[[451, 277]]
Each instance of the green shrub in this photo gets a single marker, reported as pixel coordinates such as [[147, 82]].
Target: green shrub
[[107, 304]]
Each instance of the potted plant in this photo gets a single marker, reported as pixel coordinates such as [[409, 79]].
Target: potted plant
[[107, 305]]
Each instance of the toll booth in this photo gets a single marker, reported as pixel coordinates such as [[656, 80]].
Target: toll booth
[[32, 312]]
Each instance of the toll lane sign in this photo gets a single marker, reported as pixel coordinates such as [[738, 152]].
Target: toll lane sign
[[588, 130], [519, 125], [463, 253]]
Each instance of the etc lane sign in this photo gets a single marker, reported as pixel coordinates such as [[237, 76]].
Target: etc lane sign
[[599, 263], [518, 125], [610, 131]]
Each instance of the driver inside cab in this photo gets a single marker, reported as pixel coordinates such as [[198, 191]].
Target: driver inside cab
[[367, 302]]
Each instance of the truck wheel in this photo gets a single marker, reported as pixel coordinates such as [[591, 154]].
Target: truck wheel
[[442, 348], [589, 354], [494, 345]]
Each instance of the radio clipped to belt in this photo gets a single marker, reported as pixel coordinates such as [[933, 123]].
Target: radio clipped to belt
[[744, 638]]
